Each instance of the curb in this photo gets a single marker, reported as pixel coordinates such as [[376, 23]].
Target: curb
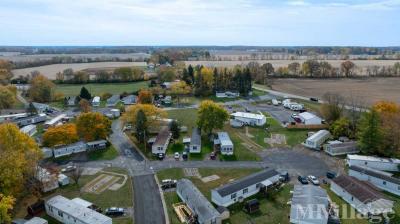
[[162, 200]]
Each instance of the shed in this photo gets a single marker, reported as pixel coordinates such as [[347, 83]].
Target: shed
[[310, 119], [313, 201], [195, 141], [63, 179], [195, 200], [36, 220], [316, 140]]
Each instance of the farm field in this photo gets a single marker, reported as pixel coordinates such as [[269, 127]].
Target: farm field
[[368, 90], [361, 65], [99, 88], [50, 71], [15, 56]]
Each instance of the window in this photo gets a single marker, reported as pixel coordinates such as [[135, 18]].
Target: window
[[384, 182], [365, 163], [60, 214], [352, 198], [233, 196], [398, 188], [194, 147], [245, 190]]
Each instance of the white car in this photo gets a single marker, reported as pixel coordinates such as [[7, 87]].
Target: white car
[[177, 155], [313, 180]]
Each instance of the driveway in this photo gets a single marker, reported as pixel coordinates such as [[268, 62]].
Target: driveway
[[147, 200], [122, 143]]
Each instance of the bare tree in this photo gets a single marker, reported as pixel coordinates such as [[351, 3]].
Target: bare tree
[[355, 106], [333, 106], [76, 174]]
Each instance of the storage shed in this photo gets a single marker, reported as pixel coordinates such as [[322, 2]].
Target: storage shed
[[96, 101]]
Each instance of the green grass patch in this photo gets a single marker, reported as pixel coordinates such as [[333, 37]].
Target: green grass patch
[[108, 153], [99, 88], [185, 117]]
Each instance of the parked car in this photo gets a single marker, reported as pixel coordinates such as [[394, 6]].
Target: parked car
[[297, 119], [302, 179], [213, 156], [313, 180], [114, 211], [294, 115], [160, 156], [330, 174], [184, 155], [177, 155], [284, 176], [68, 169], [168, 183], [314, 99]]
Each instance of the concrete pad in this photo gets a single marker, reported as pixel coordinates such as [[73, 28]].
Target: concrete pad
[[90, 171], [210, 178]]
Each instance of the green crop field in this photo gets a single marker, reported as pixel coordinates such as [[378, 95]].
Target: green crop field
[[99, 88]]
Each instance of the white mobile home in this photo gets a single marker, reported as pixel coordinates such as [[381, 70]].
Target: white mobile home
[[195, 141], [99, 144], [161, 142], [69, 212], [129, 100], [308, 118], [56, 120], [384, 164], [361, 195], [379, 179], [47, 152], [224, 143], [65, 150], [29, 129], [245, 187], [337, 148], [40, 107], [195, 200], [23, 121], [96, 101], [310, 204], [316, 140], [249, 118], [113, 100]]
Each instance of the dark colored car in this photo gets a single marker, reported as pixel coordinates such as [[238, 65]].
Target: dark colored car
[[314, 99], [213, 156], [161, 156], [330, 174], [114, 211], [302, 179], [168, 183], [184, 155]]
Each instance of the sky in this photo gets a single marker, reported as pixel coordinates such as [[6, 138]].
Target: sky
[[200, 22]]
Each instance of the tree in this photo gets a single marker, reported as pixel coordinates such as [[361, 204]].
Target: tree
[[347, 67], [211, 116], [5, 72], [76, 174], [332, 109], [204, 81], [7, 98], [60, 135], [41, 89], [175, 129], [81, 77], [31, 109], [311, 68], [145, 97], [93, 126], [85, 106], [180, 88], [19, 155], [6, 205], [340, 127], [153, 114], [166, 74], [85, 94], [141, 126], [294, 68], [369, 132]]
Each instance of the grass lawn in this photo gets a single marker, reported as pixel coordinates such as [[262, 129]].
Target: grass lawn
[[185, 117], [109, 153], [273, 209], [99, 88]]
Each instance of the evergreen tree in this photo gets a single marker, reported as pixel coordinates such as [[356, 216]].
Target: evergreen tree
[[175, 129], [186, 77], [85, 94], [141, 126], [369, 133], [31, 109], [191, 73]]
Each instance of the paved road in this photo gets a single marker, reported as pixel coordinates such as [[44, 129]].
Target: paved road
[[22, 99], [122, 143], [148, 205]]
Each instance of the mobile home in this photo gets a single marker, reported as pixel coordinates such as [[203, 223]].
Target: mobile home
[[316, 140], [161, 143], [195, 141], [337, 148], [96, 101], [29, 129], [249, 118], [224, 143], [384, 164], [240, 189], [308, 118]]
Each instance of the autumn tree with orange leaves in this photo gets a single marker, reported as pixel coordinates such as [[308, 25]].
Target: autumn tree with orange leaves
[[93, 126], [145, 97], [60, 135]]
